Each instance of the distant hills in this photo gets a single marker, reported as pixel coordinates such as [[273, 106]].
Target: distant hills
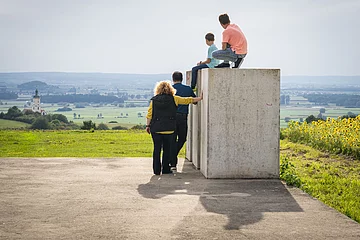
[[145, 80], [85, 79]]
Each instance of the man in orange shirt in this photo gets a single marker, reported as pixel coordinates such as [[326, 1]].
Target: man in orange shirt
[[234, 44]]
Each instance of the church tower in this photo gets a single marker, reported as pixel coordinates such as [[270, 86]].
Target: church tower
[[36, 102]]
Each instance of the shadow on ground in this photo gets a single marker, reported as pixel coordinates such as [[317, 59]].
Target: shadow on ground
[[243, 201]]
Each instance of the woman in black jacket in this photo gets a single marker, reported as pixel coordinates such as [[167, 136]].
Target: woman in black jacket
[[161, 123]]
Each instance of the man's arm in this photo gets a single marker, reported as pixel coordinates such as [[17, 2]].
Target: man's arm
[[208, 60], [224, 45]]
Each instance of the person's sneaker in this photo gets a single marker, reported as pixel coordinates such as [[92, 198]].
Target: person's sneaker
[[173, 169], [237, 63], [223, 65]]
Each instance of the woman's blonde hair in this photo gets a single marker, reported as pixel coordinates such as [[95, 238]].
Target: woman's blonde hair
[[164, 87]]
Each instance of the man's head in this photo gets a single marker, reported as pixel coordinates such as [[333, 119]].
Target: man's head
[[224, 20], [177, 76], [210, 38]]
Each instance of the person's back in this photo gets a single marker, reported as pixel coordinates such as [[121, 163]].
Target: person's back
[[181, 116], [183, 91], [236, 38]]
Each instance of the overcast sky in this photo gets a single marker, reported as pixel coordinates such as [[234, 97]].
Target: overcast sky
[[314, 37]]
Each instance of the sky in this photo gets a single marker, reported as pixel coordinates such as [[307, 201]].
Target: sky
[[307, 37]]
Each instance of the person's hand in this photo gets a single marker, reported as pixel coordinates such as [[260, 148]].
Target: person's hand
[[148, 130], [199, 63], [201, 95]]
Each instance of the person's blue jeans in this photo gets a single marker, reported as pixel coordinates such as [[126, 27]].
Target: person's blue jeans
[[194, 72], [227, 55]]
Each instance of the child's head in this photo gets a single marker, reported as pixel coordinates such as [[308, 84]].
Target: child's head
[[210, 38]]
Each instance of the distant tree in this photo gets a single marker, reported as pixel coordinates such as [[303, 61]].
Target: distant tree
[[282, 99], [301, 120], [139, 115], [322, 110], [119, 128], [74, 115], [351, 114], [287, 119], [287, 100], [2, 115], [64, 109], [88, 125], [139, 127], [312, 118], [56, 123], [60, 117], [40, 123], [78, 115], [13, 112], [102, 126]]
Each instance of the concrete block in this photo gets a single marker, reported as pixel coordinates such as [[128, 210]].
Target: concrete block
[[238, 132]]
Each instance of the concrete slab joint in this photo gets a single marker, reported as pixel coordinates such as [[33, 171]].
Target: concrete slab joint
[[234, 131]]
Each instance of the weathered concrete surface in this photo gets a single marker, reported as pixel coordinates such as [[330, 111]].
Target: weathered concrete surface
[[70, 198], [239, 123]]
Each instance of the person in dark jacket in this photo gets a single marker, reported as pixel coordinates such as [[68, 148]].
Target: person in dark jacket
[[181, 116], [161, 123]]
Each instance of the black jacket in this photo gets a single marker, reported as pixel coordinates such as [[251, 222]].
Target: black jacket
[[163, 113]]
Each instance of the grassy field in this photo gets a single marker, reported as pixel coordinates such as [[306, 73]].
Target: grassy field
[[295, 113], [333, 179], [8, 124], [123, 143]]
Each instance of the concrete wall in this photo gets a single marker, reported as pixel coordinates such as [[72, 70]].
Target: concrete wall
[[235, 129]]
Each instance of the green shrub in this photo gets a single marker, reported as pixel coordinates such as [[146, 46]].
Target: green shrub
[[139, 127], [288, 173], [40, 123], [119, 128], [102, 126], [88, 125]]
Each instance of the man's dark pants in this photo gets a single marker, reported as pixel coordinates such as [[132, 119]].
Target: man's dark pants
[[180, 136], [165, 142]]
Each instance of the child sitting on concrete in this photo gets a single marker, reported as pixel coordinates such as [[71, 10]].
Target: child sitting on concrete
[[210, 62]]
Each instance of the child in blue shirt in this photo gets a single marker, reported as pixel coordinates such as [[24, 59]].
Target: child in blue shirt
[[210, 62]]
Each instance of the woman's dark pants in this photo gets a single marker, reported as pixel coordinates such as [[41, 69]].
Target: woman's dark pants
[[164, 142]]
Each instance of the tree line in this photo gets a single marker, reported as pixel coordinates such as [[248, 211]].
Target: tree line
[[346, 100], [76, 98]]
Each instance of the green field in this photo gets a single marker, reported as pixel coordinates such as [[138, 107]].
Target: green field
[[123, 143], [295, 113], [109, 113], [8, 124]]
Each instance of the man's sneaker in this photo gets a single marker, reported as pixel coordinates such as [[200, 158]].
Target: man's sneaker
[[238, 62], [173, 169], [223, 65]]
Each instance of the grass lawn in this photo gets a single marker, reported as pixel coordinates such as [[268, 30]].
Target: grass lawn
[[121, 143], [8, 124]]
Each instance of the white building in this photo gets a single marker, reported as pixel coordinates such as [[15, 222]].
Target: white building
[[35, 107]]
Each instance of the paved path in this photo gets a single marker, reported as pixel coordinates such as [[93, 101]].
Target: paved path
[[73, 198]]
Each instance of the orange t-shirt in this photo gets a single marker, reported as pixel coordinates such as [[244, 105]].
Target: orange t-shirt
[[236, 38]]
